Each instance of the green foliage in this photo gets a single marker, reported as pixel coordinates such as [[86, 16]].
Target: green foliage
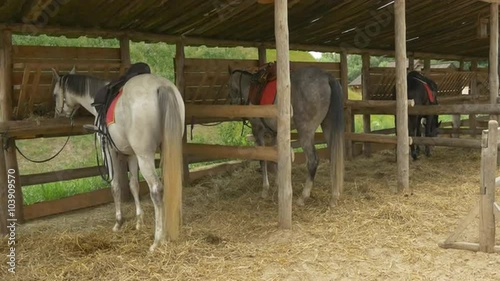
[[230, 133]]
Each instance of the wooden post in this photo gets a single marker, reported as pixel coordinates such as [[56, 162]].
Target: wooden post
[[349, 119], [493, 61], [427, 66], [284, 108], [411, 63], [262, 55], [6, 114], [3, 192], [365, 84], [474, 92], [122, 170], [403, 148], [487, 192], [179, 82], [455, 121]]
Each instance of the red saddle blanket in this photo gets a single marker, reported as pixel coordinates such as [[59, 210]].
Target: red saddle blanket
[[268, 93], [429, 93], [110, 114]]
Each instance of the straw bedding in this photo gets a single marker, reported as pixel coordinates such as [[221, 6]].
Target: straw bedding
[[229, 233]]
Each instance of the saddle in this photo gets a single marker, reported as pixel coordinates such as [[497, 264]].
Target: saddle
[[106, 94], [264, 75]]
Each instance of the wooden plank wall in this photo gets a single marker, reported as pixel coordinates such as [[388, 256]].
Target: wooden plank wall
[[32, 76], [450, 82]]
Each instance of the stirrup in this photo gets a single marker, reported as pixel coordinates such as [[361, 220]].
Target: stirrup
[[91, 128]]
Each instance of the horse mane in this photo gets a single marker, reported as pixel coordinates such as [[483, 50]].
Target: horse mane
[[81, 85]]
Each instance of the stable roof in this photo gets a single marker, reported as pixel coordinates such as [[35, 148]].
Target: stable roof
[[437, 27]]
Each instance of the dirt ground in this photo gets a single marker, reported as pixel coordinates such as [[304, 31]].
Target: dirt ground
[[230, 233]]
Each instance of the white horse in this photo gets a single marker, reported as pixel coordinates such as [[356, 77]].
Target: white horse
[[149, 113]]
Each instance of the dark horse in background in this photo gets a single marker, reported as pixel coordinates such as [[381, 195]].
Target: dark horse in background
[[424, 92], [316, 99]]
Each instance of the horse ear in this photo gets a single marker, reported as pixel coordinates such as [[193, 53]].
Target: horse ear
[[55, 74], [73, 71], [229, 69], [439, 124]]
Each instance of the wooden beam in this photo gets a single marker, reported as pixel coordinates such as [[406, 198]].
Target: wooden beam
[[403, 144], [29, 129], [231, 111], [440, 109], [75, 202], [63, 175], [449, 142], [198, 41], [213, 151], [375, 138], [6, 114], [284, 107]]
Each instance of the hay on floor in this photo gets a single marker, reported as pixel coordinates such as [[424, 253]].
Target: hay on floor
[[230, 233]]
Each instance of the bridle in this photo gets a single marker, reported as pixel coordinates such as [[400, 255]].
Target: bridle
[[61, 110]]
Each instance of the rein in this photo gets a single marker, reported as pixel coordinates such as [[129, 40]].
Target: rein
[[52, 157]]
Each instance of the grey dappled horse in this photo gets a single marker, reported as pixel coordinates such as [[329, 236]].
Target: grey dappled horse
[[149, 113], [316, 99]]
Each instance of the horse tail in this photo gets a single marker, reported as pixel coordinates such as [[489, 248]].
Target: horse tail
[[172, 114], [336, 138]]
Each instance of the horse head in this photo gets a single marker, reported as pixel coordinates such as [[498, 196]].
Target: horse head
[[65, 104], [239, 85]]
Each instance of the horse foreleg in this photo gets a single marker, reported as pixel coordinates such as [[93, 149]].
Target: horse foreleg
[[147, 166], [115, 188], [134, 189]]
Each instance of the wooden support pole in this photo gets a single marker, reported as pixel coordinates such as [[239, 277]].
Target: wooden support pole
[[349, 118], [262, 55], [122, 165], [487, 191], [403, 146], [493, 60], [3, 192], [284, 108], [411, 63], [6, 114], [365, 84], [427, 66], [180, 58], [474, 93]]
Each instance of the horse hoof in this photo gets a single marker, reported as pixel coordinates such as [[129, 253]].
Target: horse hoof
[[152, 248], [116, 228], [139, 223], [264, 194], [333, 203], [300, 201]]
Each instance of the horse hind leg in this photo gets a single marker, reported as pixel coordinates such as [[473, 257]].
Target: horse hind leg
[[307, 143], [260, 141], [147, 167], [134, 189]]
